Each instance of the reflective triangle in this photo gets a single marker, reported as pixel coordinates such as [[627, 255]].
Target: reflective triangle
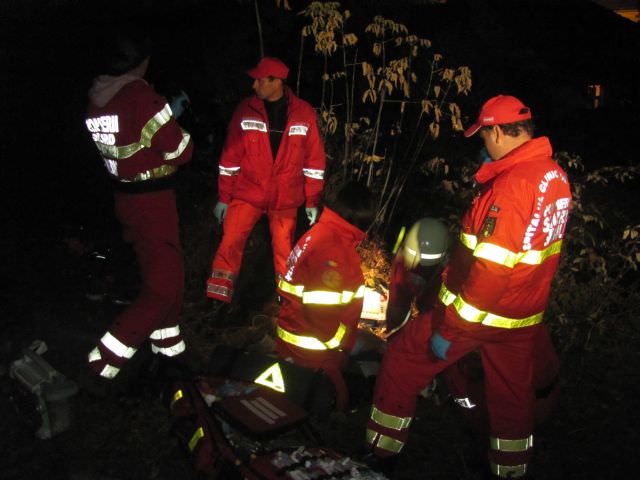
[[272, 378]]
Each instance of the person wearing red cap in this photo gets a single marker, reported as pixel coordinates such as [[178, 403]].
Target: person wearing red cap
[[493, 294], [272, 162]]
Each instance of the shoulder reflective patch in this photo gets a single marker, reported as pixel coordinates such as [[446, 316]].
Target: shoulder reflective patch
[[488, 226], [253, 125], [298, 130], [272, 378]]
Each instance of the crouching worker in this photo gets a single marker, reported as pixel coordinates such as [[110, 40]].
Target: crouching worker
[[142, 147], [323, 288]]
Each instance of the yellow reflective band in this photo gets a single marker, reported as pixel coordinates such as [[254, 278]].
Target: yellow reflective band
[[471, 314], [272, 378], [508, 471], [287, 287], [468, 240], [181, 146], [158, 172], [384, 442], [389, 421], [311, 343], [148, 131], [176, 396], [197, 435], [320, 297], [396, 246], [519, 445], [505, 257]]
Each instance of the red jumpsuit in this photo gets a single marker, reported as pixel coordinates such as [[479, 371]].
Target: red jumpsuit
[[493, 297], [142, 146], [251, 182], [321, 299]]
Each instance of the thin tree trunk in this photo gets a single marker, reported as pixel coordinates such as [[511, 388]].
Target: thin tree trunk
[[259, 22]]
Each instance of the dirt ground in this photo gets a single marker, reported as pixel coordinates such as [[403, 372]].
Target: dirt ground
[[70, 303]]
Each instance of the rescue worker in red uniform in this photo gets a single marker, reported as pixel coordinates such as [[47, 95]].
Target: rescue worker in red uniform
[[493, 294], [273, 161], [323, 288], [142, 147]]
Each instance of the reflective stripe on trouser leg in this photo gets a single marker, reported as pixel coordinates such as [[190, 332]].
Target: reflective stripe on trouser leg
[[167, 341], [386, 433], [507, 457]]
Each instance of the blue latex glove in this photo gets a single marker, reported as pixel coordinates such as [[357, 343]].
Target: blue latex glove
[[179, 103], [484, 156], [439, 345], [219, 211], [312, 214]]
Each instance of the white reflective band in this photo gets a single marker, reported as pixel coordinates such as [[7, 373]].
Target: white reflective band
[[163, 333], [229, 171], [298, 130], [178, 151], [312, 173], [94, 355], [109, 371], [253, 125], [117, 347], [177, 349], [431, 256], [464, 402]]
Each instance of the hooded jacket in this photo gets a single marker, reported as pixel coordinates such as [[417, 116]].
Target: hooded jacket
[[134, 130]]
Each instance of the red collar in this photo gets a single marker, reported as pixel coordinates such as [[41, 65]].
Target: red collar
[[531, 150]]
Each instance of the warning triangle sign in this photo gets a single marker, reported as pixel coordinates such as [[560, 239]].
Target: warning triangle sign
[[272, 378]]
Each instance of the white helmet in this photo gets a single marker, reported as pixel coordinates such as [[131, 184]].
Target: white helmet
[[426, 244]]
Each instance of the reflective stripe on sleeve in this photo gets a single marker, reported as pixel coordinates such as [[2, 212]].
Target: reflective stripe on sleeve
[[312, 173], [385, 442], [181, 146], [117, 347], [320, 297], [471, 314], [146, 135], [228, 171], [503, 256], [389, 421], [311, 343], [518, 445]]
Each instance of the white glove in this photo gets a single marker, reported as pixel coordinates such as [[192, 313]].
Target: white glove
[[219, 211], [312, 214]]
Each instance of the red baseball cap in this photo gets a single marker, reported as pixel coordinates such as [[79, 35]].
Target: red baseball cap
[[269, 67], [499, 110]]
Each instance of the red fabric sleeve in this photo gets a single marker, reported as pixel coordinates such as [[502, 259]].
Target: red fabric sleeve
[[315, 158], [170, 135], [231, 157]]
